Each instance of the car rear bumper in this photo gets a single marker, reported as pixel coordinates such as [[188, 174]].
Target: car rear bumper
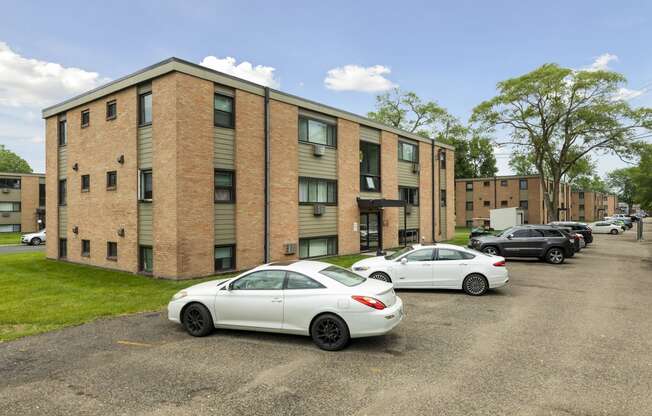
[[498, 279], [374, 323]]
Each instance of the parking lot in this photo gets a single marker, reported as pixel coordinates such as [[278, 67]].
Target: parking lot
[[574, 339]]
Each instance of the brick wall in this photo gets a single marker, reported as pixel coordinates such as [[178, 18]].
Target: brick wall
[[51, 181], [28, 203], [425, 192], [389, 186], [348, 186]]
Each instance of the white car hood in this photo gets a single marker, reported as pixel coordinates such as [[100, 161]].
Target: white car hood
[[370, 262], [205, 288]]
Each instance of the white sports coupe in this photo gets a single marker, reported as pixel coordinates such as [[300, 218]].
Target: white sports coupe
[[327, 302], [438, 266]]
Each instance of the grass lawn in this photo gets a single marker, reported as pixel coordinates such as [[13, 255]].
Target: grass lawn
[[9, 238], [344, 261], [461, 237]]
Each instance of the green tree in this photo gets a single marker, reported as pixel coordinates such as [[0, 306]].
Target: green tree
[[622, 181], [592, 184], [642, 178], [11, 162], [522, 164], [559, 116], [474, 155]]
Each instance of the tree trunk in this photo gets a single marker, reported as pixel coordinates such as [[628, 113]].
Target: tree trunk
[[553, 214]]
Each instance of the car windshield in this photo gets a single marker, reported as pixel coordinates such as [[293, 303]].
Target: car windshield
[[399, 253], [506, 232], [343, 276]]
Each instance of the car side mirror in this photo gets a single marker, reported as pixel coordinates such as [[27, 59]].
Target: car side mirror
[[509, 237], [403, 260]]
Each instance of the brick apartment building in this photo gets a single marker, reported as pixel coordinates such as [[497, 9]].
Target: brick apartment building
[[592, 206], [181, 171], [476, 196], [22, 202]]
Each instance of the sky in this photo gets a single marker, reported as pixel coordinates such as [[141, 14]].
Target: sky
[[340, 53]]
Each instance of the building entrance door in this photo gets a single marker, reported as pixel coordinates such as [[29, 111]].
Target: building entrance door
[[369, 230]]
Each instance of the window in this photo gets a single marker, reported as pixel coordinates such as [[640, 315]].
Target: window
[[408, 236], [111, 180], [487, 203], [581, 207], [63, 248], [522, 204], [369, 167], [442, 198], [111, 250], [223, 115], [145, 259], [486, 183], [449, 254], [503, 203], [318, 132], [442, 159], [41, 194], [299, 281], [145, 109], [425, 254], [111, 110], [62, 132], [9, 206], [469, 205], [581, 195], [85, 183], [522, 184], [224, 258], [224, 186], [316, 247], [9, 183], [408, 152], [262, 280], [469, 223], [86, 248], [550, 233], [9, 228], [313, 190], [85, 118], [521, 234], [343, 276], [409, 195], [145, 192], [581, 218], [469, 186], [62, 192], [503, 182]]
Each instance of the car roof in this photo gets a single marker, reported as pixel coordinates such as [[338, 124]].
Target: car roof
[[305, 266]]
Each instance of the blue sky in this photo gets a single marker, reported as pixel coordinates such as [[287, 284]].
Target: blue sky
[[451, 52]]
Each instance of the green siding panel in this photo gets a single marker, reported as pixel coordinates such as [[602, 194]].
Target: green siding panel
[[224, 224], [315, 226], [224, 144], [442, 178], [412, 218], [63, 222], [10, 218], [11, 195], [317, 166], [405, 175], [63, 162], [145, 223], [369, 135], [145, 150]]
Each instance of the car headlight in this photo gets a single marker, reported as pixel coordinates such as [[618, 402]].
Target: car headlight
[[360, 268], [180, 295]]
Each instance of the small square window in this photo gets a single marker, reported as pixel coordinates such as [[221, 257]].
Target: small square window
[[85, 183], [224, 186], [487, 203], [486, 183], [522, 204], [112, 250], [111, 180], [111, 110], [503, 203], [86, 248], [503, 182], [522, 184], [469, 186], [224, 258], [85, 118], [469, 206], [223, 114]]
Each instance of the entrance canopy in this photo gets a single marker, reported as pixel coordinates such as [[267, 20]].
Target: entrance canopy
[[379, 203]]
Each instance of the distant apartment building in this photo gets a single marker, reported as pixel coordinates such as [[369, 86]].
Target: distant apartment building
[[181, 171], [474, 197], [22, 202], [592, 206]]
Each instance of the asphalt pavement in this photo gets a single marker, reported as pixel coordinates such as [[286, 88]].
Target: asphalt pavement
[[7, 249]]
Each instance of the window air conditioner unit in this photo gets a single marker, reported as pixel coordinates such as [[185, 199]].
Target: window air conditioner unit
[[5, 190], [416, 168], [408, 209], [290, 248], [318, 149], [320, 209], [5, 214]]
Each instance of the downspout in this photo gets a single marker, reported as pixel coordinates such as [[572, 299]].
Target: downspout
[[267, 175], [432, 184]]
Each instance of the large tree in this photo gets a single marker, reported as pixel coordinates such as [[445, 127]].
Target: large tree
[[11, 162], [559, 116], [524, 164], [592, 184], [474, 155], [642, 177]]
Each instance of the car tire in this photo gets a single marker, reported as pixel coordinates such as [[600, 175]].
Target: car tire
[[555, 255], [35, 241], [197, 320], [329, 332], [384, 277], [475, 284], [490, 250], [613, 232]]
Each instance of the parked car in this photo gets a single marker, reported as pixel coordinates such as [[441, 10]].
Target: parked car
[[320, 300], [33, 239], [481, 231], [621, 217], [582, 241], [573, 236], [542, 241], [440, 266], [604, 227], [619, 223], [578, 227]]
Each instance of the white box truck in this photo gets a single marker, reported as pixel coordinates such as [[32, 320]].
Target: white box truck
[[503, 218]]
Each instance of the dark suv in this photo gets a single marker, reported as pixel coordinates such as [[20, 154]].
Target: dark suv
[[542, 241], [578, 227]]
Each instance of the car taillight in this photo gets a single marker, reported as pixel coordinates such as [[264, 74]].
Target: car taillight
[[500, 263], [369, 301]]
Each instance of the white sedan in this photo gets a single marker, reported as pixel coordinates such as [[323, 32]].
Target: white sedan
[[326, 302], [604, 227], [33, 239], [439, 266]]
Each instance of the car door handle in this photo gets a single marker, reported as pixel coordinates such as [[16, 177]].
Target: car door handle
[[277, 300], [463, 264]]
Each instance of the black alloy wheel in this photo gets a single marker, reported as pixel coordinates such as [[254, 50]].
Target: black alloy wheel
[[197, 320], [490, 250], [329, 332], [35, 241], [380, 276]]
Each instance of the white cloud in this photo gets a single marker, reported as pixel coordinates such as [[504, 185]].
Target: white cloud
[[626, 94], [263, 75], [358, 78], [601, 63]]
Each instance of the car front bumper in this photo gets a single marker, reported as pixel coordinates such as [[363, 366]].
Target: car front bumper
[[369, 324], [174, 310]]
